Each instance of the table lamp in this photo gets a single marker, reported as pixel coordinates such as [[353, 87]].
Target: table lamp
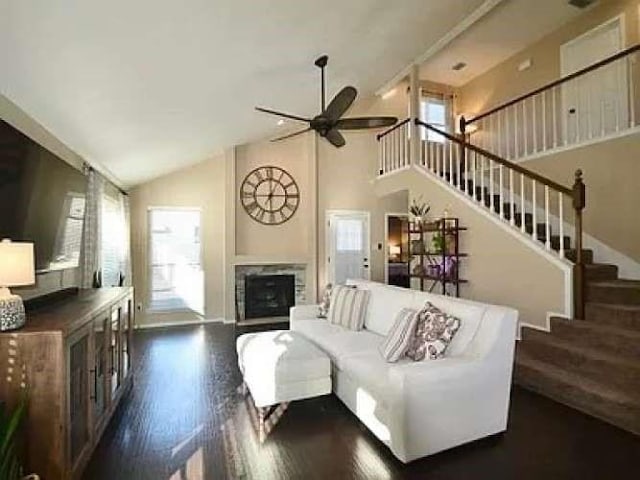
[[16, 268], [394, 251]]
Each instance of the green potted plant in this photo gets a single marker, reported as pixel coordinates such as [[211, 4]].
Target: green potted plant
[[10, 421], [418, 211]]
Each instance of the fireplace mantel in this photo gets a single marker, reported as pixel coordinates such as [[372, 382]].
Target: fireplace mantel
[[269, 260]]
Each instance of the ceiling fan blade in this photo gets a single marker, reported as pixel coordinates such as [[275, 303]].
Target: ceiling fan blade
[[365, 122], [281, 114], [340, 103], [300, 132], [335, 138]]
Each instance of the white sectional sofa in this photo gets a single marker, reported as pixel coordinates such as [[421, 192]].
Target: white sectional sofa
[[420, 408]]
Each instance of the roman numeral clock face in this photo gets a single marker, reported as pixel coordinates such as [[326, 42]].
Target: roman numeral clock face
[[269, 195]]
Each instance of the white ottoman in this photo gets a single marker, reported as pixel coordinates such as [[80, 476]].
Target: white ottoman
[[278, 367]]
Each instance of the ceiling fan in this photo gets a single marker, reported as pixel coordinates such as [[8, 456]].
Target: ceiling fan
[[329, 122]]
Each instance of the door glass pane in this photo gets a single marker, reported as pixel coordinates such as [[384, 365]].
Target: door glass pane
[[349, 235], [349, 244], [177, 280]]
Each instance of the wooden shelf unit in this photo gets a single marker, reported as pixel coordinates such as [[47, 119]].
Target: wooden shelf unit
[[75, 359], [445, 262]]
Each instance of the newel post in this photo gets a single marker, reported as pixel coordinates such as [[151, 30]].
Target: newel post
[[579, 291]]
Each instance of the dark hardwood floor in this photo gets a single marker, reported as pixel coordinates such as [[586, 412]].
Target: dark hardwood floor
[[185, 421]]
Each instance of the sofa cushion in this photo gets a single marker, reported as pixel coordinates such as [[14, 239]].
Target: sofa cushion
[[384, 305], [336, 341], [399, 338], [433, 334], [348, 307], [470, 314], [371, 372]]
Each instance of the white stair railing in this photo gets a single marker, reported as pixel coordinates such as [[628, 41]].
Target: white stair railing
[[567, 112], [490, 181]]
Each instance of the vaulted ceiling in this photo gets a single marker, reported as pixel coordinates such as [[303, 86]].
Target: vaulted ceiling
[[148, 86]]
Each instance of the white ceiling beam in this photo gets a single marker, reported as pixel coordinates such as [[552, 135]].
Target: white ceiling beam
[[455, 32]]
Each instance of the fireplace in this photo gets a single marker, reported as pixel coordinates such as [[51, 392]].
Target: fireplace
[[268, 295]]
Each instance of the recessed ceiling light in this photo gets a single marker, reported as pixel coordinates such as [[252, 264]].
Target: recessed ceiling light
[[280, 122], [459, 66]]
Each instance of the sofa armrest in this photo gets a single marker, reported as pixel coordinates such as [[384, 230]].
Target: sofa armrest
[[303, 312], [442, 403]]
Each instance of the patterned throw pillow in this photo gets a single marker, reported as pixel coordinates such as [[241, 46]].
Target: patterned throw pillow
[[433, 334], [398, 339], [348, 307], [325, 302]]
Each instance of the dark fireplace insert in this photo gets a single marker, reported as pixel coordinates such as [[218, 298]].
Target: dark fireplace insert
[[268, 295]]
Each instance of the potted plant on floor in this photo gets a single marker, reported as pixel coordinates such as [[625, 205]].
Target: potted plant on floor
[[10, 421]]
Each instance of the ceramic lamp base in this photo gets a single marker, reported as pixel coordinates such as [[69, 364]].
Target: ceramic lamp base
[[11, 312]]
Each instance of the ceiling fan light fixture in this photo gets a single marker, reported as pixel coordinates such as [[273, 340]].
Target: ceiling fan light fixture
[[330, 119]]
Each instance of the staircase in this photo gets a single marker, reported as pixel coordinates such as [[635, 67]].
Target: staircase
[[591, 365]]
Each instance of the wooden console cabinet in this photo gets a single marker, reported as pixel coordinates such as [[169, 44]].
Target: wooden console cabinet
[[75, 359]]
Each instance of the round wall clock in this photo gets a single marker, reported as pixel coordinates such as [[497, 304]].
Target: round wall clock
[[269, 195]]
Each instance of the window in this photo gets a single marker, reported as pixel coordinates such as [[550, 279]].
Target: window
[[349, 235], [176, 277], [69, 237], [434, 112], [113, 241]]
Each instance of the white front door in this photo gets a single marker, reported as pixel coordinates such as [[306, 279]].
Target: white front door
[[348, 246], [595, 104]]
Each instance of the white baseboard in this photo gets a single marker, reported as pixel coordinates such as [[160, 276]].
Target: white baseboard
[[178, 323]]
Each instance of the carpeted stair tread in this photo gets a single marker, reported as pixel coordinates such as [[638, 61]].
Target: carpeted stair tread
[[608, 403], [601, 271], [612, 339], [620, 315], [594, 363], [618, 291]]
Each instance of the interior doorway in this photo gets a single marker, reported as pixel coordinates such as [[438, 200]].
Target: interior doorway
[[595, 104], [396, 264], [348, 246]]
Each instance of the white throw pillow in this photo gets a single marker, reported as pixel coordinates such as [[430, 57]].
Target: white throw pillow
[[399, 338], [348, 307]]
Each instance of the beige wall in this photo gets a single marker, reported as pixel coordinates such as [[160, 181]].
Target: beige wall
[[291, 237], [504, 82], [200, 186], [500, 269], [610, 170], [346, 180], [328, 179]]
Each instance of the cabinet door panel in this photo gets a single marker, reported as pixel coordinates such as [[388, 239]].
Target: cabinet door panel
[[115, 350], [99, 368], [79, 433], [127, 336]]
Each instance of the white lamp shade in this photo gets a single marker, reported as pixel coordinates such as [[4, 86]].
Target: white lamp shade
[[16, 264], [394, 250]]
